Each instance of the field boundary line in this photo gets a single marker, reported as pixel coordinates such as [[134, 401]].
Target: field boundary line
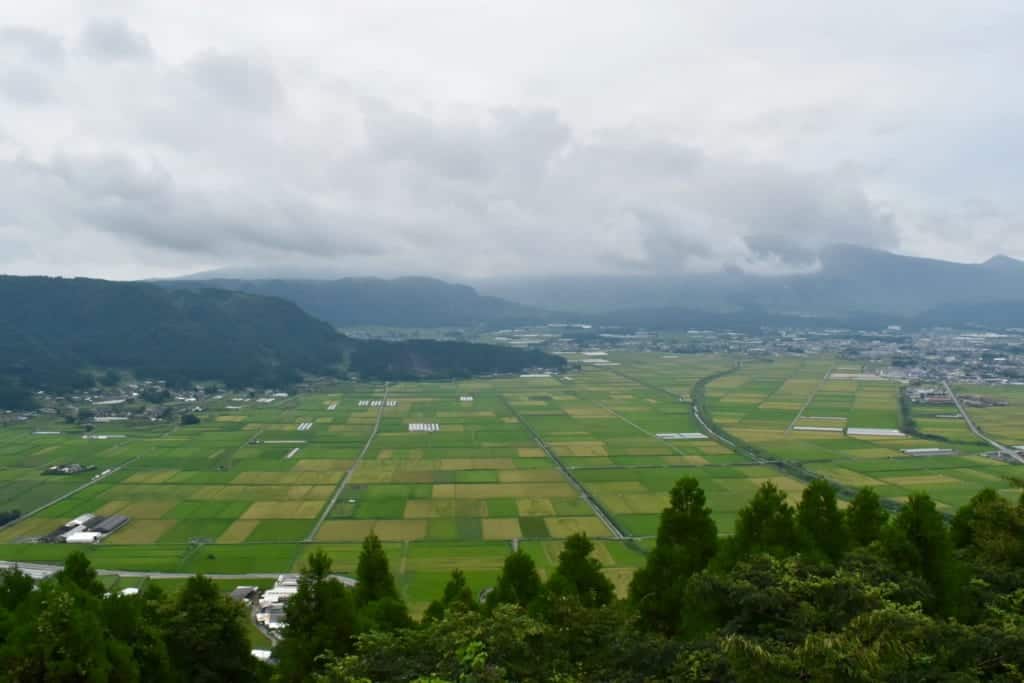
[[573, 481], [1005, 450], [348, 475], [828, 373], [95, 480]]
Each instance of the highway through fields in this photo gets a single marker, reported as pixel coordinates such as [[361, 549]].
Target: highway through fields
[[1009, 452]]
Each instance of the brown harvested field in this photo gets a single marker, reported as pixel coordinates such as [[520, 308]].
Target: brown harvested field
[[535, 507], [308, 478], [321, 465], [620, 578], [582, 449], [400, 453], [412, 477], [587, 412], [561, 527], [922, 480], [345, 530], [647, 503], [33, 526], [400, 529], [516, 476], [501, 529], [307, 509], [140, 531], [540, 490], [156, 477], [423, 509], [238, 531], [478, 463], [531, 453], [112, 507], [604, 488], [842, 475], [231, 418]]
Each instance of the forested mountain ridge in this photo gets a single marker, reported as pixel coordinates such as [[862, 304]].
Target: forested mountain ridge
[[407, 302], [54, 332], [52, 328]]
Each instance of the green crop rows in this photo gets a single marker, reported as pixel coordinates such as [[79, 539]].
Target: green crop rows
[[232, 495]]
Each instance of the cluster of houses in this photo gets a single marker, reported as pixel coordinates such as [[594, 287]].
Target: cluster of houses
[[377, 403], [269, 604], [87, 528]]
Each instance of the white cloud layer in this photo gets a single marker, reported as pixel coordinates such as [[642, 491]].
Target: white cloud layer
[[474, 139]]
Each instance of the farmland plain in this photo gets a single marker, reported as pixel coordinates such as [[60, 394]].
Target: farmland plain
[[522, 461]]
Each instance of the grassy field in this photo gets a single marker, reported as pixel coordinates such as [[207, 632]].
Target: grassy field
[[233, 495], [1003, 423]]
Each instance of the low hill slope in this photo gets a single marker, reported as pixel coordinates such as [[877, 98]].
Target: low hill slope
[[54, 334]]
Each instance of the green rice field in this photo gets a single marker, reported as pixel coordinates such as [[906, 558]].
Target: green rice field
[[526, 461], [1005, 424]]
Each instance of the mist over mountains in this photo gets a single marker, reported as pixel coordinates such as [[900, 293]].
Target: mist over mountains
[[852, 286], [850, 280]]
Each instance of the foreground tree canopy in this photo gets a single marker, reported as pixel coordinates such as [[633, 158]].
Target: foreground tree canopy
[[805, 592]]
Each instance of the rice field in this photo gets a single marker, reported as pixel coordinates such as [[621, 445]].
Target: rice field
[[528, 460], [1004, 423]]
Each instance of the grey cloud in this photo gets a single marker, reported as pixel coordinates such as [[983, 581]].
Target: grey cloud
[[26, 87], [237, 80], [31, 44], [785, 249], [144, 206], [112, 40], [424, 161]]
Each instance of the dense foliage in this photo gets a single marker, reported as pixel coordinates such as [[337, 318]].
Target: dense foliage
[[52, 330], [800, 593], [55, 334]]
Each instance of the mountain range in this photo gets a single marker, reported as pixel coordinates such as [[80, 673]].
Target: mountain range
[[848, 280], [366, 302], [852, 286]]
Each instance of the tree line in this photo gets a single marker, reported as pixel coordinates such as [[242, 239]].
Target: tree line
[[804, 592]]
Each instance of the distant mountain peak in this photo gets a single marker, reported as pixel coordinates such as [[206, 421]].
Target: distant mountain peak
[[1003, 261]]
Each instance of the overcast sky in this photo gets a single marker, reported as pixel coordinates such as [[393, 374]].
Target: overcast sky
[[471, 139]]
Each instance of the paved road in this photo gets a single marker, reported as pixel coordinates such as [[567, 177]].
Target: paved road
[[583, 492], [348, 475], [977, 431]]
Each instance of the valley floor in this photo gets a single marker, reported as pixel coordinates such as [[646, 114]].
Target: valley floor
[[454, 474]]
